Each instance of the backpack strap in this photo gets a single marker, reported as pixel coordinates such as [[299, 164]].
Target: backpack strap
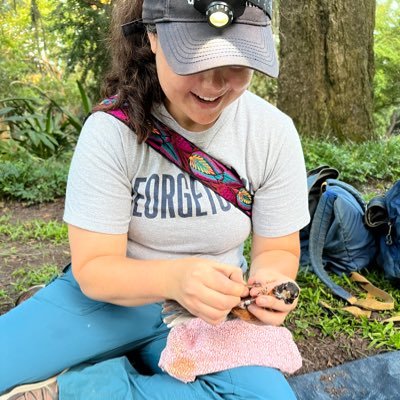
[[318, 233], [348, 188], [212, 173], [315, 181]]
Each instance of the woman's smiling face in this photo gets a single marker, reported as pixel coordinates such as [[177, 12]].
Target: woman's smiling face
[[196, 101]]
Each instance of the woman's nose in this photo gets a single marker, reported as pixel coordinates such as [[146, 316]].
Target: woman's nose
[[214, 78]]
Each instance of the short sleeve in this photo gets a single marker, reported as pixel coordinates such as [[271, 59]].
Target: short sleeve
[[281, 203], [98, 196]]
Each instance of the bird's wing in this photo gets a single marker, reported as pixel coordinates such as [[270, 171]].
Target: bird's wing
[[175, 314]]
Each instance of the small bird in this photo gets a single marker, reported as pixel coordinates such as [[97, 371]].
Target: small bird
[[289, 291]]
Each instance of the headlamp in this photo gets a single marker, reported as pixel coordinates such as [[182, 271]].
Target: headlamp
[[221, 13]]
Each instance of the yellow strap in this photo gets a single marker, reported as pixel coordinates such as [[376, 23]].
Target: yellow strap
[[356, 311], [376, 300], [396, 318]]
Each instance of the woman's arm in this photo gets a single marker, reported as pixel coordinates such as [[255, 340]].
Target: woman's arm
[[206, 288], [279, 254], [273, 259], [104, 273]]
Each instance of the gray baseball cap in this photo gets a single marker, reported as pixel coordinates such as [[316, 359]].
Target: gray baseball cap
[[191, 45]]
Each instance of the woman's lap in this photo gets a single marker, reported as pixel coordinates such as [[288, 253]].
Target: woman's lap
[[60, 328], [117, 379]]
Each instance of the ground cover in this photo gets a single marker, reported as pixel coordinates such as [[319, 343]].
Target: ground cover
[[34, 247]]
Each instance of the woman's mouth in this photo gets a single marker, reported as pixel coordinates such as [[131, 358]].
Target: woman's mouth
[[207, 100]]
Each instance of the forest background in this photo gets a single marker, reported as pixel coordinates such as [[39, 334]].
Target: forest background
[[339, 81]]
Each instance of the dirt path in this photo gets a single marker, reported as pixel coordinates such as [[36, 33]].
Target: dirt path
[[27, 255]]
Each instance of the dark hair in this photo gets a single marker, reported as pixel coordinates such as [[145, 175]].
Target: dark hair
[[132, 76]]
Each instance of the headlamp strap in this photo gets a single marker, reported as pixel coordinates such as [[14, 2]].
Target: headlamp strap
[[133, 27]]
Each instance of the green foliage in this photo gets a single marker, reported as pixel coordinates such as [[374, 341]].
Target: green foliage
[[265, 87], [357, 163], [53, 231], [25, 278], [35, 55], [387, 62], [15, 40], [310, 315], [42, 126], [39, 128], [85, 99], [83, 26], [10, 150], [27, 46], [30, 179]]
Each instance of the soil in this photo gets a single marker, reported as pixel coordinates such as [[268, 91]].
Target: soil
[[27, 254], [318, 352]]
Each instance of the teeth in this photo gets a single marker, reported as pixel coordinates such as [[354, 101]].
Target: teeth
[[208, 98]]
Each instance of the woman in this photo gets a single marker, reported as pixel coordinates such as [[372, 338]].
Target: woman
[[142, 231]]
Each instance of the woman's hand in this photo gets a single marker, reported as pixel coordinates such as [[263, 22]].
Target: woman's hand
[[267, 308], [207, 289]]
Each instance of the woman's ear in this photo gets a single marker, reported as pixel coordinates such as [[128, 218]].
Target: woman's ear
[[153, 41]]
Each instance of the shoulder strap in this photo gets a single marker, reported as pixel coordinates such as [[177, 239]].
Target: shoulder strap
[[201, 166], [318, 233], [354, 192]]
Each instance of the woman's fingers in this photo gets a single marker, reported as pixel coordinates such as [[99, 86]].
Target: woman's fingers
[[217, 300], [267, 316], [270, 310], [211, 306], [210, 314], [227, 280], [210, 290], [272, 303]]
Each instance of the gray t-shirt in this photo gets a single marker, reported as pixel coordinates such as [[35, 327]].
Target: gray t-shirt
[[116, 185]]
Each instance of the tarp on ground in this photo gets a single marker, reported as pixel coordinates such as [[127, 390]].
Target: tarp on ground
[[371, 378]]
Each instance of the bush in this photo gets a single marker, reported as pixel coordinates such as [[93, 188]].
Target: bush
[[41, 125], [357, 163], [39, 128], [387, 64], [25, 178]]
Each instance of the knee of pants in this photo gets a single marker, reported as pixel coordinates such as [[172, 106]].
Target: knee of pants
[[251, 383]]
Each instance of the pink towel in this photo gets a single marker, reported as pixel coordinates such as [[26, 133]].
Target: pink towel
[[197, 348]]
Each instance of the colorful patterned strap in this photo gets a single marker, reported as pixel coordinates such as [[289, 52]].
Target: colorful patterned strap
[[188, 157]]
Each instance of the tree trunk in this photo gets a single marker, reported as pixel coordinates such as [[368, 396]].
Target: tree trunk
[[327, 66]]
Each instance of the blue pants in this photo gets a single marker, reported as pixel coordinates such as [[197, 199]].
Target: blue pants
[[112, 352]]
